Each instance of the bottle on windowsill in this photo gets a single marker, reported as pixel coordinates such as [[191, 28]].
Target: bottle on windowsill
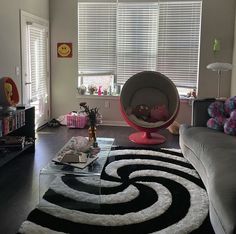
[[99, 90]]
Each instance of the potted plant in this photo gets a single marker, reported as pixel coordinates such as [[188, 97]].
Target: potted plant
[[94, 118], [92, 88]]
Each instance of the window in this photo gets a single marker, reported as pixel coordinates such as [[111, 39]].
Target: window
[[37, 60], [106, 81], [97, 38], [179, 41], [35, 65], [123, 38], [136, 39]]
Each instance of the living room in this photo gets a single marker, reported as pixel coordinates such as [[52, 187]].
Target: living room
[[217, 22]]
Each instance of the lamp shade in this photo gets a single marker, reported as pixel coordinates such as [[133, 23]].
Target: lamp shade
[[220, 66]]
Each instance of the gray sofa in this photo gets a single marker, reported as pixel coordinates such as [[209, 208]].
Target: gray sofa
[[213, 154]]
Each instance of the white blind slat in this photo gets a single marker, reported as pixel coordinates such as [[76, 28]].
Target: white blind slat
[[178, 41], [137, 40], [124, 38], [97, 38], [37, 54]]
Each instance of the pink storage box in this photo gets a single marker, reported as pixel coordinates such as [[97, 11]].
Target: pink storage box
[[76, 120]]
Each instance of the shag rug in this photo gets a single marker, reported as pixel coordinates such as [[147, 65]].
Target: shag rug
[[141, 191]]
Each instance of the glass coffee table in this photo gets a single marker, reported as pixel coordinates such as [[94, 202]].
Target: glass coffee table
[[67, 184]]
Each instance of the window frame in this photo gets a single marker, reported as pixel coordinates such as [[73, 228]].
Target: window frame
[[26, 19], [110, 88], [158, 15]]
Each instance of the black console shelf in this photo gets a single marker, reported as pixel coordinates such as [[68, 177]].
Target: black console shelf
[[26, 129]]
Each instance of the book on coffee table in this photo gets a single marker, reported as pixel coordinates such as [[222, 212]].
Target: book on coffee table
[[80, 165], [77, 152]]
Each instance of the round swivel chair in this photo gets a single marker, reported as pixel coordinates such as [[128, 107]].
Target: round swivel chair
[[152, 89]]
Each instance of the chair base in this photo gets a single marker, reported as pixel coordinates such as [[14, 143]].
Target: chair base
[[146, 138]]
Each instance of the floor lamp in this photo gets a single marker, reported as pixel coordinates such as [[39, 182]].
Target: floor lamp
[[219, 68]]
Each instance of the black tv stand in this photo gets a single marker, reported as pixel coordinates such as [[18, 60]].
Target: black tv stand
[[21, 124]]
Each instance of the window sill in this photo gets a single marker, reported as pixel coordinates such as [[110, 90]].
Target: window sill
[[95, 96], [183, 99]]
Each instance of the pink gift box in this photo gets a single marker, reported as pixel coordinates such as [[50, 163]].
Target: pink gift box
[[76, 120]]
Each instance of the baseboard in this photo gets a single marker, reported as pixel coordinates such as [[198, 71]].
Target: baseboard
[[114, 123]]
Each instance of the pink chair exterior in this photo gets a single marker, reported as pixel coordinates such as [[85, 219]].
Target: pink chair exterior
[[149, 87]]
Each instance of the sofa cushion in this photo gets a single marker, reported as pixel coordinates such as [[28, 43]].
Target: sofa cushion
[[216, 152]]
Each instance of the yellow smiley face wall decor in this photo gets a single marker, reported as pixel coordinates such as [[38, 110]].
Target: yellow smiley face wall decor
[[64, 50]]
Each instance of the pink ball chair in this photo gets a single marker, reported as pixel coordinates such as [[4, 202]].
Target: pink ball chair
[[155, 90]]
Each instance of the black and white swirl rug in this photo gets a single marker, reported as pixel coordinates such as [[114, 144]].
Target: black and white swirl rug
[[141, 191]]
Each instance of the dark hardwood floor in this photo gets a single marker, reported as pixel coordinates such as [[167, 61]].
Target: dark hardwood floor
[[19, 179]]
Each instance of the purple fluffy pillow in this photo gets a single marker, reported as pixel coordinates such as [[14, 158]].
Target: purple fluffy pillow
[[223, 116], [217, 114], [230, 124], [230, 105], [216, 109], [216, 123]]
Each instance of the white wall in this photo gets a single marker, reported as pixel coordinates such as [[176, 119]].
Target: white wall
[[63, 22], [217, 22], [10, 50], [233, 78]]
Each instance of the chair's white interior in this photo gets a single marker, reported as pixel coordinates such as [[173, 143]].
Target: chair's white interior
[[152, 89]]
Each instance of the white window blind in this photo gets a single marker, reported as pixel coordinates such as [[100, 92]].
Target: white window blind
[[37, 60], [97, 38], [124, 38], [136, 38], [179, 41]]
